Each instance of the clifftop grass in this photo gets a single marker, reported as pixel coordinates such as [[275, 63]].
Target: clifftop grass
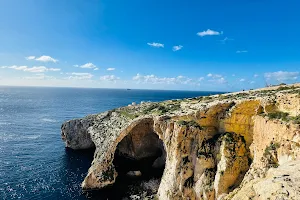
[[184, 106], [283, 116]]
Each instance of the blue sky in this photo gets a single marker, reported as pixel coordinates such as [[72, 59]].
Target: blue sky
[[152, 44]]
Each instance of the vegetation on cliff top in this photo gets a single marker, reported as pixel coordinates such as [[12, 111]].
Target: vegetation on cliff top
[[191, 123], [283, 116], [183, 106]]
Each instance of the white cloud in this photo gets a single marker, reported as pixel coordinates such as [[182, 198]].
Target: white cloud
[[109, 78], [35, 69], [18, 67], [88, 66], [252, 82], [80, 76], [30, 58], [214, 75], [155, 44], [209, 32], [242, 51], [255, 75], [152, 79], [177, 48], [110, 69], [233, 75], [242, 80], [281, 75], [201, 79], [225, 40], [45, 59], [42, 58], [40, 77], [216, 78], [96, 68]]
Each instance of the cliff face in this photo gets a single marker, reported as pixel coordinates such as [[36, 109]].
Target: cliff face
[[218, 147]]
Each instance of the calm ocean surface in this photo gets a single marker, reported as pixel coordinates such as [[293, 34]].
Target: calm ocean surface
[[34, 164]]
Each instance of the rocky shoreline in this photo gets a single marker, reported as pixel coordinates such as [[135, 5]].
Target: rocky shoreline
[[216, 147]]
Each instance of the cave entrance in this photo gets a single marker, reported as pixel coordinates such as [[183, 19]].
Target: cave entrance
[[140, 160]]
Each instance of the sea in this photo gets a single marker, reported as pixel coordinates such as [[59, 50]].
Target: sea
[[34, 163]]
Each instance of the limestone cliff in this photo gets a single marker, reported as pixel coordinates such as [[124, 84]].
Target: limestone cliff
[[217, 147]]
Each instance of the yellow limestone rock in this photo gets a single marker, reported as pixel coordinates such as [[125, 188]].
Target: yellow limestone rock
[[218, 147]]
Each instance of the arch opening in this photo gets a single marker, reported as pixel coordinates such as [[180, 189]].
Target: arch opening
[[140, 160]]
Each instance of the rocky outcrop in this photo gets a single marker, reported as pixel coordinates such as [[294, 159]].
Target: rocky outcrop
[[216, 147], [76, 135]]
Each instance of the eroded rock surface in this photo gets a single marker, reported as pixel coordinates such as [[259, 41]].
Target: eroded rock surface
[[218, 147]]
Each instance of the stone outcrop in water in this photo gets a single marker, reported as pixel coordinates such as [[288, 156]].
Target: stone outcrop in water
[[218, 147]]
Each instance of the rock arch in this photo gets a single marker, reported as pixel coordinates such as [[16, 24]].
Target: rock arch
[[140, 150]]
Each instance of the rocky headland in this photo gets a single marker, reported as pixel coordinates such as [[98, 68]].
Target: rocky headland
[[243, 145]]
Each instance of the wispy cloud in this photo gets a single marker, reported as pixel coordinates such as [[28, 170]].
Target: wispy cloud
[[153, 79], [112, 78], [242, 80], [79, 76], [110, 69], [281, 75], [214, 75], [155, 44], [242, 51], [255, 75], [42, 58], [177, 48], [46, 59], [40, 77], [30, 58], [96, 68], [225, 40], [87, 66], [209, 32], [216, 78], [221, 80], [35, 69]]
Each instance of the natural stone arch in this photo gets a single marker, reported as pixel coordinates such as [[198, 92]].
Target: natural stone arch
[[140, 150]]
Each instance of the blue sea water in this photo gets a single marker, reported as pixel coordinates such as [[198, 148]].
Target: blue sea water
[[34, 163]]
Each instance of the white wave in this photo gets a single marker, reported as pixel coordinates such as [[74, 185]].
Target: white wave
[[5, 123], [14, 137], [32, 137], [49, 120]]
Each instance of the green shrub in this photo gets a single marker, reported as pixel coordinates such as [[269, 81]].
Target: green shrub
[[285, 117], [189, 123], [161, 109], [279, 115], [129, 115], [150, 109], [271, 147], [296, 120], [282, 88]]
